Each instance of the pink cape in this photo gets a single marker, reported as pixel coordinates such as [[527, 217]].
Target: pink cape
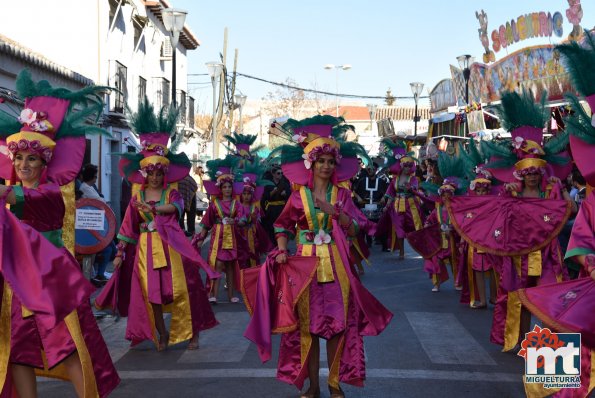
[[46, 279], [374, 317], [427, 242], [508, 226], [566, 307]]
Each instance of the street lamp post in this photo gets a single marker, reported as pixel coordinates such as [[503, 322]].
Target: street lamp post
[[465, 61], [372, 110], [336, 68], [214, 69], [173, 20], [240, 99], [416, 89]]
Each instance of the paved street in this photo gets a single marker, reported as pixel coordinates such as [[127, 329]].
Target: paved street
[[434, 347]]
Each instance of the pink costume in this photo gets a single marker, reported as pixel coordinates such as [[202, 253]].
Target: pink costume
[[32, 340], [255, 237], [164, 271], [322, 297], [404, 211], [334, 300], [44, 312], [569, 306], [523, 231], [224, 237], [436, 265]]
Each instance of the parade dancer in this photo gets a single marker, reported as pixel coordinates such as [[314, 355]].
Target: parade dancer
[[478, 265], [321, 298], [402, 212], [221, 219], [448, 253], [165, 266], [568, 307], [523, 224], [255, 237], [47, 327]]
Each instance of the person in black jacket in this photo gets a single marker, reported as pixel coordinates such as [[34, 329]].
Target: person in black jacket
[[273, 200]]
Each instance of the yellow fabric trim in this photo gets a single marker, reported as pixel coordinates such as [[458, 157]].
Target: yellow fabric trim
[[400, 204], [215, 238], [59, 372], [29, 136], [144, 282], [26, 312], [303, 308], [227, 237], [74, 327], [470, 275], [512, 328], [306, 208], [333, 373], [324, 270], [333, 377], [592, 377], [453, 258], [5, 333], [68, 224], [415, 214], [534, 262], [181, 318], [155, 159], [159, 260]]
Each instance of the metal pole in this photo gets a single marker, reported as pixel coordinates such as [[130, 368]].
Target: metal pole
[[173, 78], [241, 131], [415, 118], [337, 88], [213, 123]]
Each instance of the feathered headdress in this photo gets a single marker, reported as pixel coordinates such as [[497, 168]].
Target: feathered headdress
[[396, 155], [241, 145], [154, 132], [312, 138], [525, 119], [579, 60], [453, 168], [53, 124], [249, 178], [221, 171], [474, 166]]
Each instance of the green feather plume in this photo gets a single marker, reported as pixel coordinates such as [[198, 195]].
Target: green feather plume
[[213, 166], [517, 110], [144, 119], [235, 138], [556, 144], [85, 107], [292, 124], [579, 62], [579, 123], [471, 158]]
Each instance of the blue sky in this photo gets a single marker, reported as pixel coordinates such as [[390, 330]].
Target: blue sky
[[388, 43]]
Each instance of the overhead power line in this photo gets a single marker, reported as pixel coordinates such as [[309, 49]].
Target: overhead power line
[[291, 87]]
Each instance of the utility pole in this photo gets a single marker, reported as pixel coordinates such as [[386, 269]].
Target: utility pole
[[221, 96], [233, 90]]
